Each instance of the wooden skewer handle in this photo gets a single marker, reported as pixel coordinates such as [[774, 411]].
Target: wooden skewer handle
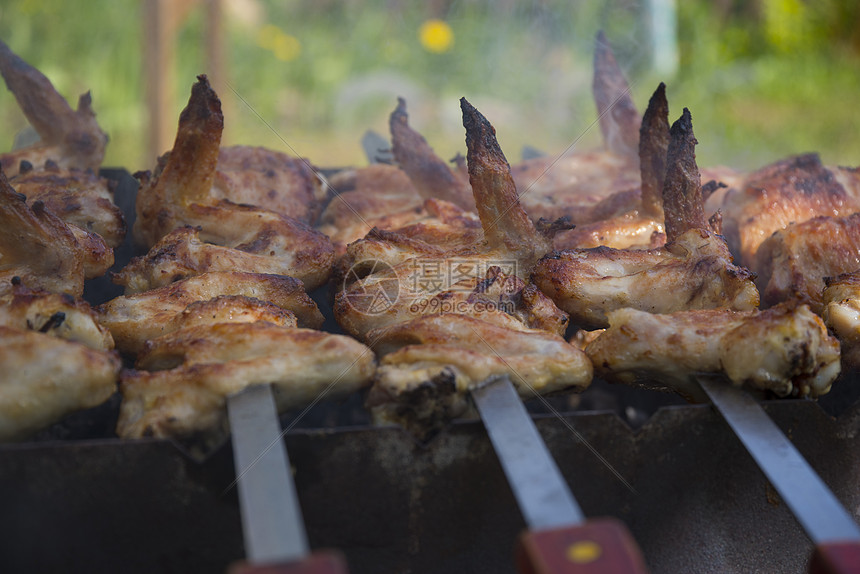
[[836, 558], [603, 546]]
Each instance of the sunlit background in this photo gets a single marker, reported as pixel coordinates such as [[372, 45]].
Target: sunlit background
[[763, 79]]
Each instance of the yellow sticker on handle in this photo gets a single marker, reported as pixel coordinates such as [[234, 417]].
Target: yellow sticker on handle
[[584, 552]]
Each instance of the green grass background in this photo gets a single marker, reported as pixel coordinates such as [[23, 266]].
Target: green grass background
[[763, 79]]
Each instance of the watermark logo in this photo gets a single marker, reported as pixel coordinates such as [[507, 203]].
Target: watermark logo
[[373, 286], [432, 276], [432, 286]]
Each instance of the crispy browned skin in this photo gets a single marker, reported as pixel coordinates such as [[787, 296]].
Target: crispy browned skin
[[134, 319], [198, 367], [77, 197], [56, 314], [794, 262], [231, 236], [186, 252], [36, 246], [43, 378], [431, 176], [693, 271], [572, 185], [841, 302], [414, 288], [447, 305], [184, 175], [589, 283], [653, 149], [84, 202], [70, 138], [784, 349], [632, 219], [270, 179], [506, 225], [683, 206], [379, 195], [429, 364], [791, 190], [630, 230]]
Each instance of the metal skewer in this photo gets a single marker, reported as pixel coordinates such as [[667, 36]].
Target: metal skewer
[[274, 532], [830, 527], [559, 539]]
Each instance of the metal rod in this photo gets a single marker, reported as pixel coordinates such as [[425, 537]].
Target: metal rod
[[271, 517], [813, 504], [541, 492]]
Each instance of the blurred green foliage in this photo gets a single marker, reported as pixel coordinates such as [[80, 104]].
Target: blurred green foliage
[[763, 78]]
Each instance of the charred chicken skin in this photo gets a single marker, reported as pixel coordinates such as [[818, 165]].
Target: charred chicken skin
[[421, 191], [642, 225], [190, 231], [693, 271], [792, 190], [480, 318], [77, 197], [38, 247], [214, 297], [794, 262], [183, 378], [55, 359], [785, 350], [431, 176]]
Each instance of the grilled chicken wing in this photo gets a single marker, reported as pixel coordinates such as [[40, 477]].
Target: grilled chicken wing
[[71, 148], [36, 246], [194, 369], [841, 302], [83, 202], [446, 305], [423, 191], [643, 225], [791, 190], [794, 262], [215, 297], [44, 378], [392, 295], [377, 196], [693, 271], [429, 364], [431, 176], [59, 315], [236, 238], [571, 185], [228, 236], [70, 138], [784, 349], [271, 179], [77, 197]]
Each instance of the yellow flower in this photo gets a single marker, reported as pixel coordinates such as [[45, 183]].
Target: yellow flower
[[436, 36], [285, 47]]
